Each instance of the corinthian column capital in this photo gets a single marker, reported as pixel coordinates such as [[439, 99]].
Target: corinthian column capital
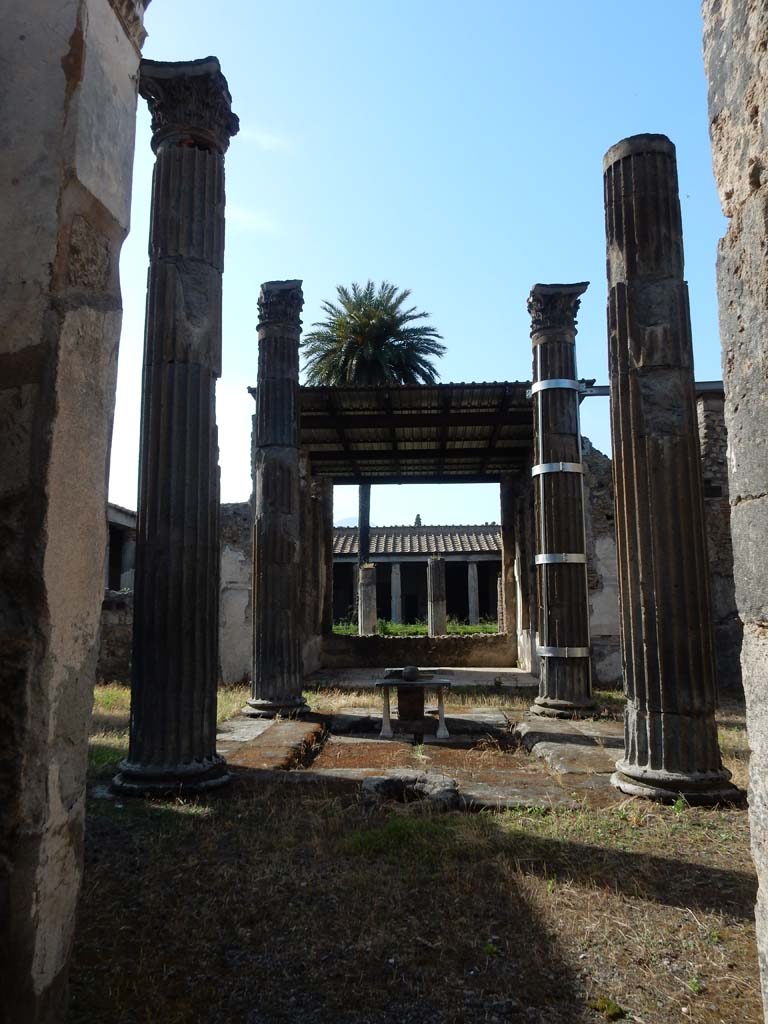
[[189, 102], [280, 302], [553, 307]]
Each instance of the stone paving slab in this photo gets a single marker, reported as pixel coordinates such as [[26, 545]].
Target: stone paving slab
[[573, 747], [279, 746]]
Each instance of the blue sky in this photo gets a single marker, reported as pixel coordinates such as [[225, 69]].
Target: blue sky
[[453, 149]]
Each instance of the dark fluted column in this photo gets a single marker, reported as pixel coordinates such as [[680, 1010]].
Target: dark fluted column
[[326, 527], [666, 632], [364, 524], [437, 618], [175, 639], [565, 686], [277, 668]]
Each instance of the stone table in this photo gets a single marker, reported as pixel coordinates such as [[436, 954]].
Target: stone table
[[411, 686]]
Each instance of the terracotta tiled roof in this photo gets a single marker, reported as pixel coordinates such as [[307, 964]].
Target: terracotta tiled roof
[[421, 540]]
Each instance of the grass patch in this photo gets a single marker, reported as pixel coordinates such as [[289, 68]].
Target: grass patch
[[418, 838], [108, 742], [386, 628], [308, 906], [332, 700]]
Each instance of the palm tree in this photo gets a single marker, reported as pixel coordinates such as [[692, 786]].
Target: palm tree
[[369, 338]]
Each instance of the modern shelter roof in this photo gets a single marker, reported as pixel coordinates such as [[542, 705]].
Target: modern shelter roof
[[421, 433], [421, 540]]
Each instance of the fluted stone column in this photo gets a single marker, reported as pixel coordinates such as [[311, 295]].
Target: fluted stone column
[[671, 743], [326, 499], [176, 629], [565, 686], [500, 603], [396, 592], [276, 686], [507, 495], [364, 524], [437, 620], [473, 595], [367, 611]]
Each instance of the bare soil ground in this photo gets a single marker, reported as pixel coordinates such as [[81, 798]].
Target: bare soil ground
[[269, 904]]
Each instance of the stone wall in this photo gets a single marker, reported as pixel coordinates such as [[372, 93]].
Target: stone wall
[[235, 615], [713, 438], [736, 60], [114, 664], [68, 111], [602, 569], [489, 650]]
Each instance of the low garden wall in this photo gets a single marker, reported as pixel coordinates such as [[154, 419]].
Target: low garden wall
[[480, 650]]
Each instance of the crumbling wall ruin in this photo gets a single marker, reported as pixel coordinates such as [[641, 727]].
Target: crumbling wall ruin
[[114, 664], [736, 60], [602, 570], [713, 439], [68, 111]]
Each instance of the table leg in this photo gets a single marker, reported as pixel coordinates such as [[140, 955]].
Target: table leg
[[442, 730], [386, 722]]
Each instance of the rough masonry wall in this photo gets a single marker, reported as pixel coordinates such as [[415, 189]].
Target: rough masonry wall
[[736, 59], [235, 618], [114, 664], [67, 109], [602, 569], [713, 439]]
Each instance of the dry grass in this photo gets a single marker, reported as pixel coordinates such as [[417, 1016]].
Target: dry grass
[[108, 743], [331, 701], [268, 904]]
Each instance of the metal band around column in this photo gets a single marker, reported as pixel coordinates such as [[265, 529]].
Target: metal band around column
[[568, 557], [556, 467], [563, 652], [555, 382]]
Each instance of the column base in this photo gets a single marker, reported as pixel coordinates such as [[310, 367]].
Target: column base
[[705, 788], [549, 708], [149, 780], [257, 708]]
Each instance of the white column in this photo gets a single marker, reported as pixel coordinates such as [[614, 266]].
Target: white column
[[472, 594], [396, 612]]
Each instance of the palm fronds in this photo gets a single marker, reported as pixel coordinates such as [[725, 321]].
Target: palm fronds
[[368, 337]]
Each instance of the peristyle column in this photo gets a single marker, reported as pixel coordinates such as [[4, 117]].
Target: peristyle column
[[176, 628], [437, 620], [364, 524], [671, 743], [326, 527], [565, 687], [473, 595], [277, 667], [396, 592], [367, 611]]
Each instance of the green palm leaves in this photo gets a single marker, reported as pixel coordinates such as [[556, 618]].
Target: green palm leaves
[[369, 338]]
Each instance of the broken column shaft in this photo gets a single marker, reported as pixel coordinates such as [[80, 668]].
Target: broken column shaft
[[565, 687], [175, 639], [277, 665], [671, 743]]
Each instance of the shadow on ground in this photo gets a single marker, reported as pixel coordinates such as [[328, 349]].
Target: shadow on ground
[[270, 905]]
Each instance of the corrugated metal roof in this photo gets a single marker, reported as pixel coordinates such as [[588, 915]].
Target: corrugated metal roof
[[426, 432], [421, 540]]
